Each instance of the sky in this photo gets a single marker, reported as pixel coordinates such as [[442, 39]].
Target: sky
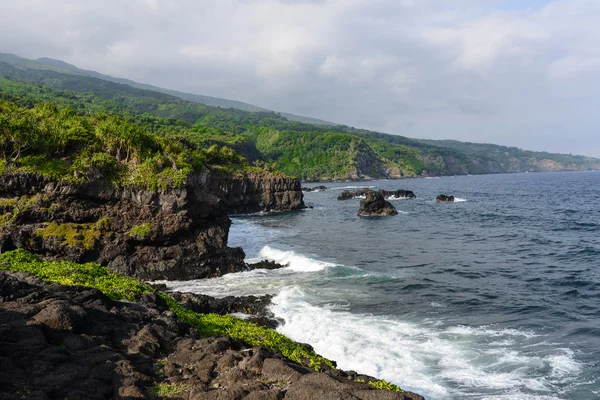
[[523, 73]]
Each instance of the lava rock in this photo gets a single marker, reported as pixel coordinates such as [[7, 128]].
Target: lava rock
[[374, 205], [443, 198], [123, 349], [315, 189]]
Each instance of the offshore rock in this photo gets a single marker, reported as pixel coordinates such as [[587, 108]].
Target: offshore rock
[[387, 194], [175, 234], [374, 205], [347, 194], [443, 198], [72, 342], [319, 188]]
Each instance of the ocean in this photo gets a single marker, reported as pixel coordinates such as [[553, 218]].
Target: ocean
[[496, 296]]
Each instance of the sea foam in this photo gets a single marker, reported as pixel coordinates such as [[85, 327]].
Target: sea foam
[[294, 261], [436, 361]]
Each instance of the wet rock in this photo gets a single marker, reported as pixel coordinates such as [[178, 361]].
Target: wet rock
[[266, 264], [374, 205], [387, 194], [319, 188], [443, 198]]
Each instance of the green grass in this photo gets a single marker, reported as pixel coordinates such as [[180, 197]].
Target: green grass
[[140, 231], [121, 287], [167, 390]]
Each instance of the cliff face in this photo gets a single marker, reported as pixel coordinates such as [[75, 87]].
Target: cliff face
[[177, 234], [254, 192]]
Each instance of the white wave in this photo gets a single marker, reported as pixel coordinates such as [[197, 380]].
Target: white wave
[[294, 262], [397, 198], [438, 363], [459, 200]]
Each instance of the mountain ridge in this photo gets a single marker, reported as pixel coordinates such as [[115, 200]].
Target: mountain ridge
[[269, 139]]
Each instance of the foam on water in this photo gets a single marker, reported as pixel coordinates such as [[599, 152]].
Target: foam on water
[[459, 200], [438, 362], [294, 262]]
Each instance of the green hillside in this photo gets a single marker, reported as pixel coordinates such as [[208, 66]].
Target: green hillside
[[45, 63], [268, 139]]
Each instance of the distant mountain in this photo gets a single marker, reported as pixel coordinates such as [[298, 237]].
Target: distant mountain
[[46, 63], [265, 138]]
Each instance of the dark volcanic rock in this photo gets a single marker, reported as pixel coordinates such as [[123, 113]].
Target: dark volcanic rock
[[347, 195], [121, 350], [387, 194], [255, 192], [149, 234], [374, 205], [399, 194], [265, 264], [314, 189], [442, 198], [256, 307]]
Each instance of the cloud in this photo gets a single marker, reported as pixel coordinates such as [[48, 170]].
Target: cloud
[[519, 73]]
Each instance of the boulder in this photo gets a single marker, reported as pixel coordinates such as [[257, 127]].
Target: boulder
[[387, 194], [347, 195], [399, 194], [374, 205], [444, 198]]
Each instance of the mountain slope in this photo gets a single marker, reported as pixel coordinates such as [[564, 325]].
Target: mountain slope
[[46, 63], [269, 140]]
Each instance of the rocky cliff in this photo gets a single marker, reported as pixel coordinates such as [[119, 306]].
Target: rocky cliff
[[150, 234], [254, 192]]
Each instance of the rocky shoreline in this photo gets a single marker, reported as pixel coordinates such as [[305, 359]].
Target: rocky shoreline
[[75, 342]]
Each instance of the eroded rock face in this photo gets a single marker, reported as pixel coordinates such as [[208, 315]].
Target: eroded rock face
[[443, 198], [374, 205], [177, 234], [102, 349], [254, 192]]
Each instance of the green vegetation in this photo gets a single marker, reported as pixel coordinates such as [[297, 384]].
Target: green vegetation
[[59, 143], [140, 231], [120, 287], [385, 385], [145, 136], [72, 235], [167, 390]]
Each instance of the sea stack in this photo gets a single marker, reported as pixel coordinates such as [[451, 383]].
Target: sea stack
[[374, 205], [444, 198]]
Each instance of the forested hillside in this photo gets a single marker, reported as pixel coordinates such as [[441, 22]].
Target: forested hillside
[[268, 139]]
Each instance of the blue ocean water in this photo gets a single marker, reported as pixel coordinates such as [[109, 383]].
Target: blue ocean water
[[496, 296]]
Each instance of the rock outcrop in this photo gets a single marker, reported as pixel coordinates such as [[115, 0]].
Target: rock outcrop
[[443, 198], [319, 188], [347, 194], [73, 342], [387, 194], [374, 205], [149, 234], [254, 192]]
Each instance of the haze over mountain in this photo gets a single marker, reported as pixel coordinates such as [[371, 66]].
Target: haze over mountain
[[515, 73]]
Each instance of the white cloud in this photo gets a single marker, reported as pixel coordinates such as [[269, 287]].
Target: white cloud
[[466, 69]]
